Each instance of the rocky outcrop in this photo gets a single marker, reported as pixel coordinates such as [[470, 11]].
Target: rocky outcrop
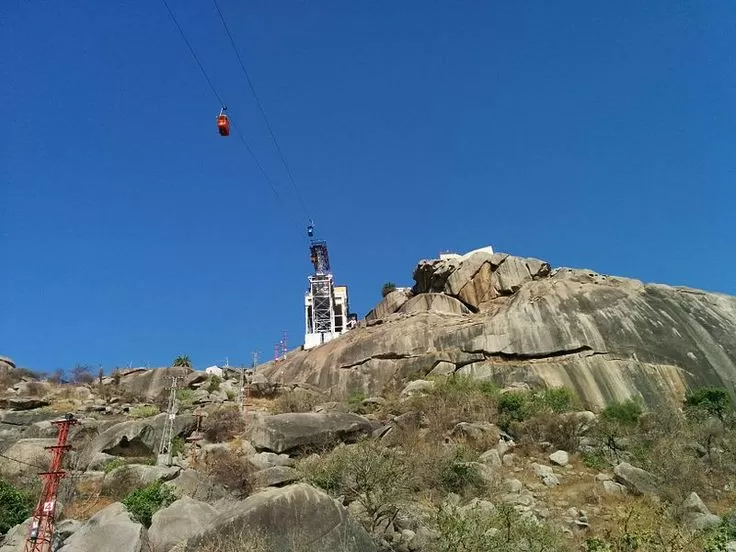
[[15, 540], [135, 438], [150, 384], [6, 364], [391, 303], [196, 485], [607, 338], [32, 454], [275, 476], [294, 431], [182, 519], [297, 516], [433, 302], [22, 403], [120, 481], [109, 530]]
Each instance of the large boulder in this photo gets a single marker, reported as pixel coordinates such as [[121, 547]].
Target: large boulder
[[197, 485], [434, 302], [23, 403], [289, 518], [275, 476], [183, 519], [109, 530], [120, 481], [636, 480], [31, 454], [293, 431], [696, 514], [135, 438], [150, 384], [15, 539], [391, 303], [607, 338]]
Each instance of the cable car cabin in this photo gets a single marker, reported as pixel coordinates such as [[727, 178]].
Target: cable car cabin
[[223, 125]]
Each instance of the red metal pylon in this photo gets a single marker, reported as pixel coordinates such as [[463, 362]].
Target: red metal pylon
[[43, 524]]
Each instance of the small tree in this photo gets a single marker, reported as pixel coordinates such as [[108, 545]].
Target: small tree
[[182, 361], [714, 401], [376, 477], [388, 287], [81, 374]]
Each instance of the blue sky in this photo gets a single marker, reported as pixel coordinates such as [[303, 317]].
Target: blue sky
[[588, 134]]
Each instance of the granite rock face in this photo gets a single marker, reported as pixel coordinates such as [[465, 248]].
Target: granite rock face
[[608, 338]]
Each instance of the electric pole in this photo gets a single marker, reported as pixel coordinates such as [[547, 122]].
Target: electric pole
[[167, 435], [41, 534]]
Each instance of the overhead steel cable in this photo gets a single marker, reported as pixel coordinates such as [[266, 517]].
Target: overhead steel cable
[[194, 54], [260, 107], [42, 468], [219, 99]]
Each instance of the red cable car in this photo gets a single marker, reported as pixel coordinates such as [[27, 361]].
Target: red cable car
[[223, 124]]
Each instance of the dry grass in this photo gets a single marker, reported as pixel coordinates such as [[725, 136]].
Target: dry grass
[[223, 424], [85, 507], [298, 400]]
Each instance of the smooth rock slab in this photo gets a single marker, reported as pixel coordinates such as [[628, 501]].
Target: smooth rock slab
[[183, 519], [276, 476], [289, 432], [120, 481], [109, 530], [197, 485], [297, 517]]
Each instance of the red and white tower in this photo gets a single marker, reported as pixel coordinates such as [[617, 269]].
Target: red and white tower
[[43, 524]]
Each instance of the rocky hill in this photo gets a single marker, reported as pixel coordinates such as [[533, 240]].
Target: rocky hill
[[487, 408], [518, 321]]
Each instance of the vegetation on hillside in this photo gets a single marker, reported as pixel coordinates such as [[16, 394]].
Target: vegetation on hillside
[[15, 506], [143, 503], [443, 467]]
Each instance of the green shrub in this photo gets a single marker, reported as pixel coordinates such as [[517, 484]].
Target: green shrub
[[15, 506], [387, 288], [143, 411], [185, 396], [714, 401], [113, 464], [177, 445], [627, 412], [503, 530], [355, 399], [143, 503], [214, 384], [594, 460], [559, 399], [514, 406]]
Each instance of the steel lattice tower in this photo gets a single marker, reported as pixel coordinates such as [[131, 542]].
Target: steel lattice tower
[[326, 305], [43, 524], [167, 435]]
